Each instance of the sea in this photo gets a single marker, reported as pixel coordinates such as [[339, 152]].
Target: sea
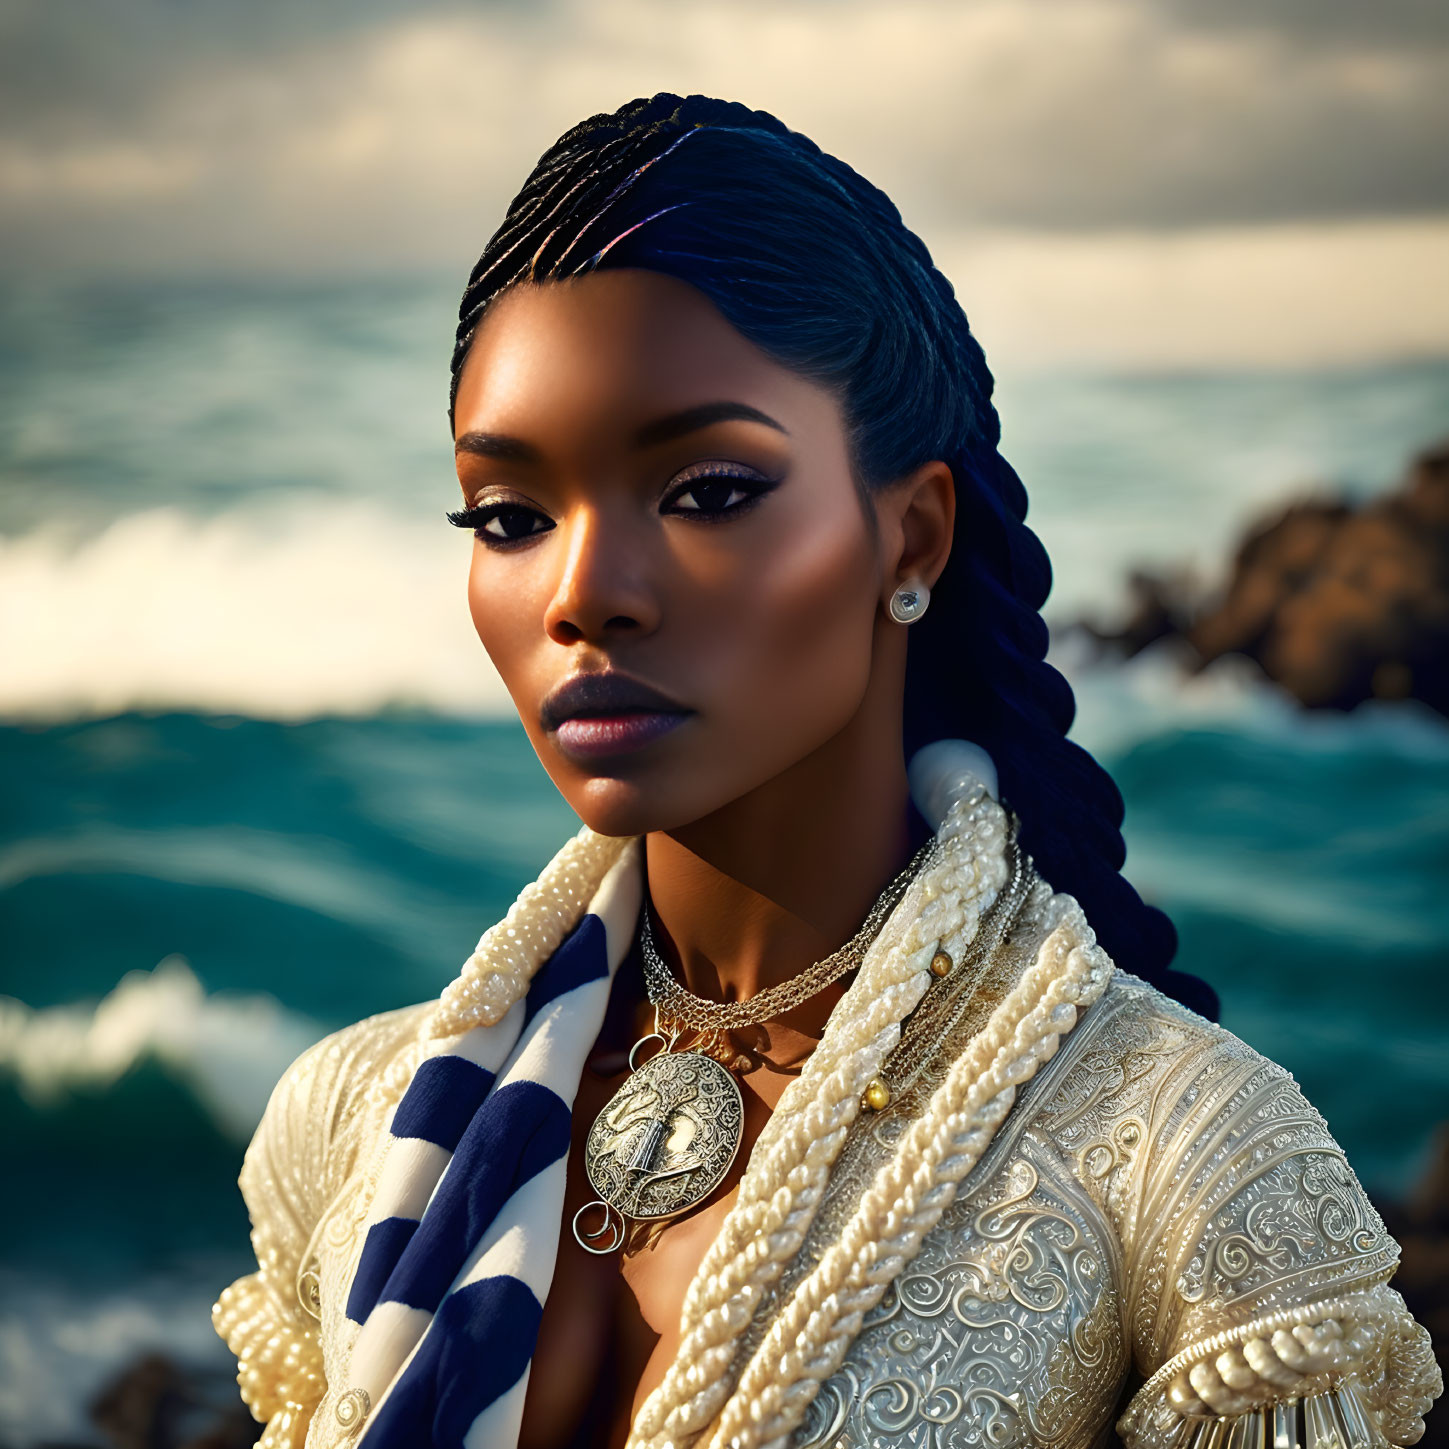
[[258, 781]]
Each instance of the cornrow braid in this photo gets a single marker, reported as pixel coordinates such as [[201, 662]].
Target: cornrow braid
[[813, 264]]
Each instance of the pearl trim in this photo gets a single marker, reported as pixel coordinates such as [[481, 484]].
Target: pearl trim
[[1316, 1352]]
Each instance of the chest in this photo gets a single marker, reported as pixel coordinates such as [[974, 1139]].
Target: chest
[[611, 1323], [1006, 1330]]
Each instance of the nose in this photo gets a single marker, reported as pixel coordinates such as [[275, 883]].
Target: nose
[[603, 588]]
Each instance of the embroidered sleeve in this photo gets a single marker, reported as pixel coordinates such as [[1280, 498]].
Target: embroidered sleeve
[[1258, 1281], [267, 1317], [297, 1164]]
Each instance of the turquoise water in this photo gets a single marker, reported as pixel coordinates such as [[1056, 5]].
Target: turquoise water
[[343, 867], [188, 897]]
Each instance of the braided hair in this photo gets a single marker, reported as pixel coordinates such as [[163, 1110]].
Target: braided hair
[[814, 265]]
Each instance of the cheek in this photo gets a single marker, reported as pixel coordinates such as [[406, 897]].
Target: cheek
[[508, 621], [485, 616], [802, 645]]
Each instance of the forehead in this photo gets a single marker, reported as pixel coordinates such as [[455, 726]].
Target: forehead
[[615, 342]]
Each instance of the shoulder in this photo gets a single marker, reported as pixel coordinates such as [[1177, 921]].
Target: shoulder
[[346, 1053], [1197, 1143], [1139, 1054], [307, 1139], [334, 1071]]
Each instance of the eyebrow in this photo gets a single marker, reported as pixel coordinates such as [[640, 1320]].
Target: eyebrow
[[497, 445], [651, 435], [691, 420]]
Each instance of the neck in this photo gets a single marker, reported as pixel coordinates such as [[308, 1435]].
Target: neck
[[757, 891]]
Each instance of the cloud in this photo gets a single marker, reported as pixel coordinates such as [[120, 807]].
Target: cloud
[[1324, 23], [373, 134], [1291, 295]]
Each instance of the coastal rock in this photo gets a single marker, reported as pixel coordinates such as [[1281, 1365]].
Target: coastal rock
[[1336, 603], [156, 1403]]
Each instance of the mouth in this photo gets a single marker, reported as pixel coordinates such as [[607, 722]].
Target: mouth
[[607, 713]]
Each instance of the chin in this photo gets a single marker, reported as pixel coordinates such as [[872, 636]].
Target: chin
[[619, 805], [614, 805]]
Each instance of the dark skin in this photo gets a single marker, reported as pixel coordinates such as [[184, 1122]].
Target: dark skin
[[730, 562]]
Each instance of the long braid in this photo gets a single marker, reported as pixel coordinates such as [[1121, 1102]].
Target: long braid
[[1070, 807]]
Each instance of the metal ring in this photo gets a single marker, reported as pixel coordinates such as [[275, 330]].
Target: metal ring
[[584, 1239], [309, 1292], [652, 1036], [351, 1409]]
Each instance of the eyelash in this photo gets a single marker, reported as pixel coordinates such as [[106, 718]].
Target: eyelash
[[481, 514]]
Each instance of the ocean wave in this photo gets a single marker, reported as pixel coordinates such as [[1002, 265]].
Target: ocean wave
[[1304, 827], [228, 1049], [316, 874], [326, 607], [318, 607]]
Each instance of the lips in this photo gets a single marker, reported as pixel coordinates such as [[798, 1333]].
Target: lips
[[605, 693], [605, 712]]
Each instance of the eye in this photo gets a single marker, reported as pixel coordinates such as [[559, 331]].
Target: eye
[[712, 490], [500, 524]]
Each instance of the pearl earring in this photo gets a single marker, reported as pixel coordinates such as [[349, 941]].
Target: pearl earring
[[909, 602]]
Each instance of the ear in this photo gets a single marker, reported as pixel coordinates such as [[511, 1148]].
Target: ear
[[917, 516]]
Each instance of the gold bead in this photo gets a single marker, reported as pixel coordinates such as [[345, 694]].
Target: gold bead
[[877, 1095], [940, 964]]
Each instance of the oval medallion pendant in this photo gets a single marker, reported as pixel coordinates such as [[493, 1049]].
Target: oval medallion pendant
[[665, 1139]]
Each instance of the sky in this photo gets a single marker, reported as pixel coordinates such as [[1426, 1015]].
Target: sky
[[1169, 182]]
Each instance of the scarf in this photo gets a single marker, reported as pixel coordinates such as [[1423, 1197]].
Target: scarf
[[463, 1228]]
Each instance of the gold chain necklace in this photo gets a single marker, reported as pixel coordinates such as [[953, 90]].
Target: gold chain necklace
[[665, 1140], [677, 1006]]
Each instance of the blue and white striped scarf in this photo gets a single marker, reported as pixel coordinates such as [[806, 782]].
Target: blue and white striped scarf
[[462, 1232]]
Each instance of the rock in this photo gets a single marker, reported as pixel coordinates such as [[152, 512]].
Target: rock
[[155, 1403], [1338, 604], [1158, 608], [1276, 561], [134, 1410]]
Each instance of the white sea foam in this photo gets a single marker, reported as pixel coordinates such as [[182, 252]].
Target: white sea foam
[[325, 607], [289, 612], [1121, 703], [229, 1049]]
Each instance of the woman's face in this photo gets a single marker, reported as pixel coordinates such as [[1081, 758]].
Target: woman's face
[[658, 502]]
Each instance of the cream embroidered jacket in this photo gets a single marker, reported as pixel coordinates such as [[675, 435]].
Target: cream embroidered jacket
[[1155, 1217]]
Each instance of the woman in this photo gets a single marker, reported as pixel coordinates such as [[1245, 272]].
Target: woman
[[791, 1104]]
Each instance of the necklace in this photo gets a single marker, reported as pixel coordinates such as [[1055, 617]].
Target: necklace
[[677, 1007], [665, 1140]]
